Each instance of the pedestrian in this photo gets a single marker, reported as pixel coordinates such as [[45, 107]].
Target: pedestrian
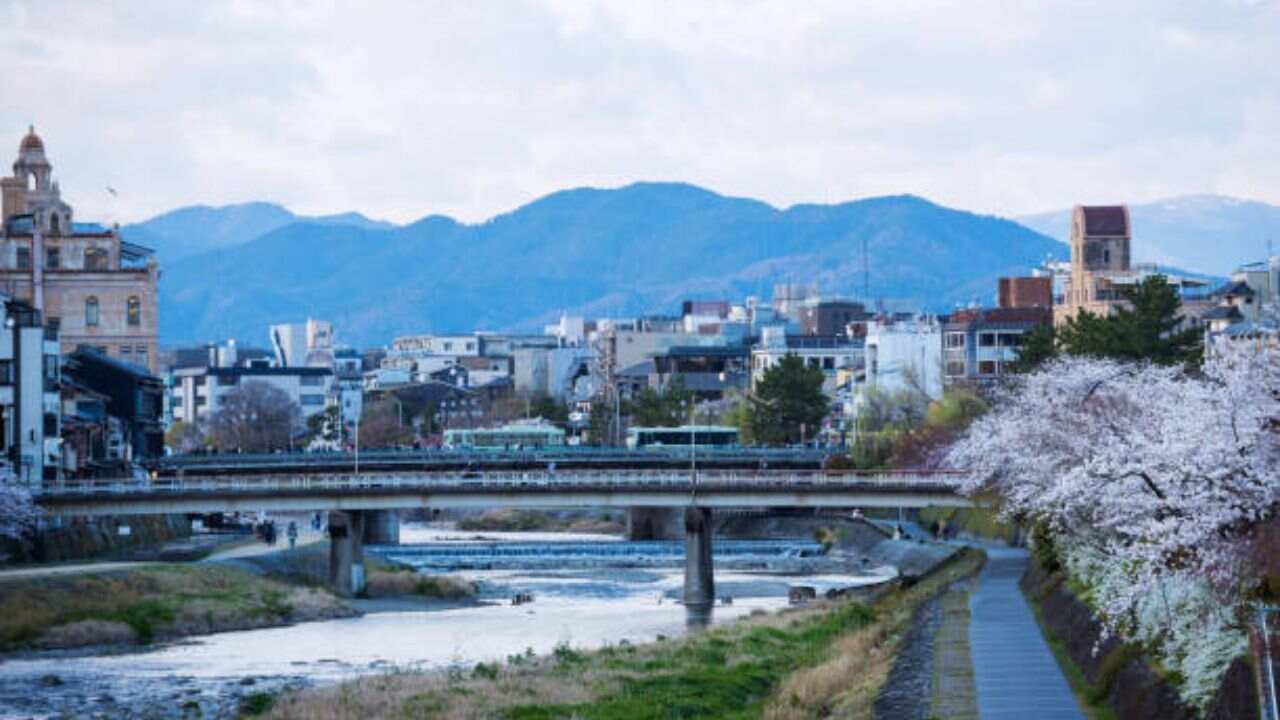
[[933, 529], [292, 532]]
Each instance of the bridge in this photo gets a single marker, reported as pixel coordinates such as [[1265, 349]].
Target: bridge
[[361, 504]]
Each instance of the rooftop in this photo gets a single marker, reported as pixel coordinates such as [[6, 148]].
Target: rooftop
[[1105, 220]]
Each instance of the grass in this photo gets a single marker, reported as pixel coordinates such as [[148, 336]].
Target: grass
[[830, 659], [981, 522], [145, 604]]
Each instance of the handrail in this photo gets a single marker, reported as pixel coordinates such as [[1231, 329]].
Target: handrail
[[575, 480]]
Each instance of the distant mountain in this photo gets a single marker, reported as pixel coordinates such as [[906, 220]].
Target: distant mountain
[[636, 249], [200, 228], [1209, 234]]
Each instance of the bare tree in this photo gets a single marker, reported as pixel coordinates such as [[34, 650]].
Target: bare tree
[[381, 426], [256, 417], [184, 437]]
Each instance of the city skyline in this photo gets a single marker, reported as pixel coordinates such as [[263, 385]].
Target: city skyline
[[471, 111]]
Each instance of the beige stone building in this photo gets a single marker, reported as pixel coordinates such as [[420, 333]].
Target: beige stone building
[[1100, 239], [90, 284]]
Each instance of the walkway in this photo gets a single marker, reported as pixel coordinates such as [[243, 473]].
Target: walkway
[[1014, 671]]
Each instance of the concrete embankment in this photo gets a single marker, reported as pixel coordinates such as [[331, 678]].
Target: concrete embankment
[[83, 539], [1117, 676]]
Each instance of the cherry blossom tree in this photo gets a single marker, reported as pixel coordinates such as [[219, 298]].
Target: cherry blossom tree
[[1152, 477], [17, 512]]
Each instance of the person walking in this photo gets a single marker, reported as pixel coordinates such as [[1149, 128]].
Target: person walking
[[292, 533]]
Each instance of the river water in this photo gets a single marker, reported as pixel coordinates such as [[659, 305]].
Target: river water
[[588, 591]]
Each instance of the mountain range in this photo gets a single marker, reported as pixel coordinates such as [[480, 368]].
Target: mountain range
[[231, 271], [637, 249]]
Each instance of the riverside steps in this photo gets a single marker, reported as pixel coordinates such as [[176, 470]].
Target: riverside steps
[[363, 507]]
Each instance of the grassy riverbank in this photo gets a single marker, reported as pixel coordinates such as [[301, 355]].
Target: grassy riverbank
[[145, 604], [827, 660]]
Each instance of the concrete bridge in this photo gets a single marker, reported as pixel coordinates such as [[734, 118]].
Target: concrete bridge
[[362, 506]]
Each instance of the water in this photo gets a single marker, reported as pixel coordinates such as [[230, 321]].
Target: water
[[588, 590]]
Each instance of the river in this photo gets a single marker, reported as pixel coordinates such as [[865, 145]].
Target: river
[[588, 591]]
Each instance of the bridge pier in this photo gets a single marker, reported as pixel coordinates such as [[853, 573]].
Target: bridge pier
[[382, 527], [699, 578], [346, 552]]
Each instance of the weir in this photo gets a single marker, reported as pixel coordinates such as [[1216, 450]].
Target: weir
[[346, 552]]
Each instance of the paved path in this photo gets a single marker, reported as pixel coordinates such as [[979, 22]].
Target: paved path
[[1015, 673]]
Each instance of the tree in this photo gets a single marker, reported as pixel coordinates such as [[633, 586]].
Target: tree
[[1153, 481], [788, 403], [669, 408], [548, 408], [1148, 329], [184, 437], [381, 426], [256, 417], [17, 512], [739, 416]]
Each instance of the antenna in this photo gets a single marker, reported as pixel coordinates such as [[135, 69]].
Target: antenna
[[866, 271]]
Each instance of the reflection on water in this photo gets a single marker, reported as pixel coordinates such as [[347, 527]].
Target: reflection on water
[[591, 591]]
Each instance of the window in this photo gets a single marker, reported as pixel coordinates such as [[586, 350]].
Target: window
[[6, 372], [955, 368], [50, 425], [312, 400], [312, 380], [91, 312], [200, 401], [828, 363], [51, 367], [53, 258], [95, 259], [987, 340], [55, 223], [140, 353], [24, 258], [126, 350], [228, 380], [471, 346], [199, 380], [955, 340], [1010, 339], [53, 323], [134, 311], [987, 367], [448, 346]]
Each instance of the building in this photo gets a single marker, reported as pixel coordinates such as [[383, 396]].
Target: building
[[1024, 292], [830, 353], [905, 355], [30, 412], [308, 344], [979, 344], [130, 401], [706, 372], [830, 317], [198, 392], [1100, 271], [86, 281]]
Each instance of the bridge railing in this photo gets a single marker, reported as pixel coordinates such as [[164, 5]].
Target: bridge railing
[[567, 480]]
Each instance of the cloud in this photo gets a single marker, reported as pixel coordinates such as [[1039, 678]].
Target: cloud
[[469, 109]]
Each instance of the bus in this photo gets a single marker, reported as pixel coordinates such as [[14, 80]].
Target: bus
[[516, 436], [682, 437]]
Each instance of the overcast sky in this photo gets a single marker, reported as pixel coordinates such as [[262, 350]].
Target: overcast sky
[[401, 109]]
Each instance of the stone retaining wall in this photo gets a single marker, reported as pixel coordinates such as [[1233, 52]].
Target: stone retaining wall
[[1118, 672]]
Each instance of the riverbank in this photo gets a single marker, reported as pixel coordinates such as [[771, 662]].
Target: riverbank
[[126, 608], [118, 607], [513, 520], [829, 658]]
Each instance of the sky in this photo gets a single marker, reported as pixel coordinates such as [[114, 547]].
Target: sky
[[470, 109]]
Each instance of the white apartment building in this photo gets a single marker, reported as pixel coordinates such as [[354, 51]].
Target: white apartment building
[[905, 354], [829, 354], [30, 406], [303, 344], [199, 392]]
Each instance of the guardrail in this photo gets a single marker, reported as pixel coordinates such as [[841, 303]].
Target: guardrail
[[564, 481]]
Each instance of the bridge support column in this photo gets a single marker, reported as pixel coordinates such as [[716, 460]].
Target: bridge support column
[[382, 527], [346, 552], [653, 523], [699, 578]]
